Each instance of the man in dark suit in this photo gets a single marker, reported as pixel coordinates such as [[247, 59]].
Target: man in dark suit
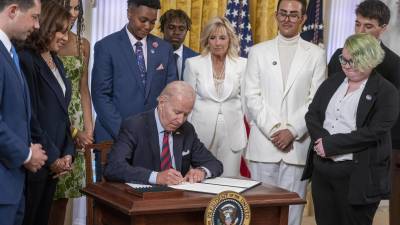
[[17, 20], [175, 24], [372, 17], [131, 67], [160, 146]]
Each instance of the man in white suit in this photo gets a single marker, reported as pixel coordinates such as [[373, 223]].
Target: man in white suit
[[281, 79]]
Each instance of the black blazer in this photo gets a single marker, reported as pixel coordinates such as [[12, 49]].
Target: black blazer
[[389, 69], [50, 124], [136, 152], [377, 112]]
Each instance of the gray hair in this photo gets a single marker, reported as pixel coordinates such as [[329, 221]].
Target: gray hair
[[178, 89]]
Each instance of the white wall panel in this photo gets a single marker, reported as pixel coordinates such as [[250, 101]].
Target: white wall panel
[[341, 23]]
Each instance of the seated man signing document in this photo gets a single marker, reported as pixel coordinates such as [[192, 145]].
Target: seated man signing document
[[160, 146]]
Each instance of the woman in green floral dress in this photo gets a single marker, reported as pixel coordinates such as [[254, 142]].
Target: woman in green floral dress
[[75, 56]]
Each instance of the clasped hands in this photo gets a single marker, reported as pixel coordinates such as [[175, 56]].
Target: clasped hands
[[283, 140], [38, 158], [61, 166], [172, 176], [83, 138]]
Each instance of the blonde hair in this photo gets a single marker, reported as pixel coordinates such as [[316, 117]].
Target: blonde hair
[[365, 50], [215, 24]]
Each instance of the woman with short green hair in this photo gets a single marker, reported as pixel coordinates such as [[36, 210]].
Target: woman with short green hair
[[365, 50], [349, 122]]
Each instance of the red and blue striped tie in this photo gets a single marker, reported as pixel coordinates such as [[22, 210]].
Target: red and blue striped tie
[[165, 154]]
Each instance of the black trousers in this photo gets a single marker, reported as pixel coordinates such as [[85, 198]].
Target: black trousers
[[394, 204], [330, 185], [39, 198]]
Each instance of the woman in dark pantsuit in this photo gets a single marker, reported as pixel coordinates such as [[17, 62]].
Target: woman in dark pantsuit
[[50, 93], [349, 122]]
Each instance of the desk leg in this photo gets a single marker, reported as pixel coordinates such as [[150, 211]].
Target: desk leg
[[97, 214], [284, 220]]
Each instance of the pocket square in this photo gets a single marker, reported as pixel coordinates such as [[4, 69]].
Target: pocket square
[[185, 152], [160, 67]]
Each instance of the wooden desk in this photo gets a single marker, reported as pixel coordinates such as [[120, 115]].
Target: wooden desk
[[116, 206]]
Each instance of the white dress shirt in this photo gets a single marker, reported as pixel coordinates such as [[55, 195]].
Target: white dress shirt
[[160, 131], [341, 113], [133, 41], [6, 41], [179, 52]]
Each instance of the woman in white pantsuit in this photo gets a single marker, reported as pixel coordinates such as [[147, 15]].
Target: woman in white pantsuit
[[217, 76]]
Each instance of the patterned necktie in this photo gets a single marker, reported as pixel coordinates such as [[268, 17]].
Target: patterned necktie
[[165, 154], [176, 56], [140, 62]]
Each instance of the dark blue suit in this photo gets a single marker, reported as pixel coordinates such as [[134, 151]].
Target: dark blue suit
[[117, 91], [136, 152], [50, 126], [14, 137], [187, 53]]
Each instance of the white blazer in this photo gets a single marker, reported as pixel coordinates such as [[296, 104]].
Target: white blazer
[[267, 100], [198, 73]]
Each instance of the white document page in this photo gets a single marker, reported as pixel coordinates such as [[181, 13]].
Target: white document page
[[206, 188], [225, 181]]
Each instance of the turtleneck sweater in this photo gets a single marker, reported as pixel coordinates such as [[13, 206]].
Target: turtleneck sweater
[[287, 49]]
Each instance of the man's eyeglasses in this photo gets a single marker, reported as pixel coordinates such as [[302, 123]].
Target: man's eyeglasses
[[343, 61], [293, 17]]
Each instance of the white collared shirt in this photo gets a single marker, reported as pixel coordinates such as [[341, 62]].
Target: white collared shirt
[[133, 41], [179, 62], [341, 113], [6, 41], [160, 131]]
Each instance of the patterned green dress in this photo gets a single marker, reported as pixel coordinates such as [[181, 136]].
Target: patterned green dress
[[68, 185]]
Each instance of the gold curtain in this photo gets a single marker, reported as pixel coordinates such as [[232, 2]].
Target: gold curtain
[[200, 11]]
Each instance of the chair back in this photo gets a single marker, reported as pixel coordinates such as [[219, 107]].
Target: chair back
[[103, 148]]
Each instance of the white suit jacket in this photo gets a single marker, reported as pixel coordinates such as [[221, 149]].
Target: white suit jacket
[[198, 73], [267, 100]]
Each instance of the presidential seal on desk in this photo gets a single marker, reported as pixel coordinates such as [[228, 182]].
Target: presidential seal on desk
[[227, 208]]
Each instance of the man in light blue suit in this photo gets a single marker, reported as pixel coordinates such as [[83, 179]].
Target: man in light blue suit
[[18, 18], [131, 68], [175, 24]]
